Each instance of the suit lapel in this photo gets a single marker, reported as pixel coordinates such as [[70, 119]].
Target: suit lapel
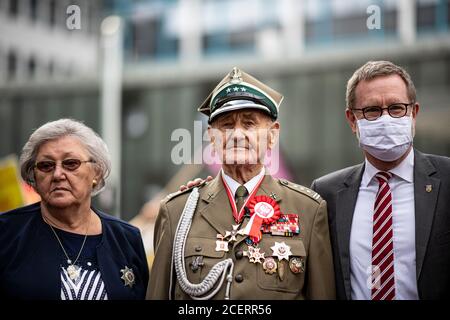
[[345, 206], [426, 190]]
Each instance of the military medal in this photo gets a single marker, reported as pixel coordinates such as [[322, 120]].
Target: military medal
[[263, 211], [297, 265], [270, 265], [254, 255], [232, 234], [221, 245], [281, 250], [128, 276]]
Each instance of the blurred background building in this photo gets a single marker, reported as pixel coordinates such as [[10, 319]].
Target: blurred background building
[[175, 51]]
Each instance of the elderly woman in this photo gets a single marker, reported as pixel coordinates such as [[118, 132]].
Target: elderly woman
[[62, 247], [243, 235]]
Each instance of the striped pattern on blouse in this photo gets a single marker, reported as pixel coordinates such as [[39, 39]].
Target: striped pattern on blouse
[[88, 286]]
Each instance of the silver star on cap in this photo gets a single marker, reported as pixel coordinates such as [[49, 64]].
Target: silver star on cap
[[128, 276]]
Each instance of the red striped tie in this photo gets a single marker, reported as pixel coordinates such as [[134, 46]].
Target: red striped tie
[[383, 282]]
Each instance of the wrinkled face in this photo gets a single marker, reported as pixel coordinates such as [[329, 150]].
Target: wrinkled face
[[243, 136], [381, 91], [64, 187]]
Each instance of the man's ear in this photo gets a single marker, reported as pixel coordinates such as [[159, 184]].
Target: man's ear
[[351, 119], [415, 110], [414, 113], [274, 134]]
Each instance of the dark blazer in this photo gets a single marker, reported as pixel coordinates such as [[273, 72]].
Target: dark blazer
[[29, 257], [432, 214]]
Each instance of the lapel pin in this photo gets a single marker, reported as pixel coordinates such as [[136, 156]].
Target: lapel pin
[[210, 195], [428, 188], [273, 196], [128, 276]]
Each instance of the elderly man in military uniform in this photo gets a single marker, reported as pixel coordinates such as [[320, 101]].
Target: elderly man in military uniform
[[244, 234]]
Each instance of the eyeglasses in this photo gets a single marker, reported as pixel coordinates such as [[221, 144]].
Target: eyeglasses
[[396, 110], [67, 164]]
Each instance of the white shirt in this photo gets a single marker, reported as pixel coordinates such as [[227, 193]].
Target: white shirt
[[403, 220], [250, 184]]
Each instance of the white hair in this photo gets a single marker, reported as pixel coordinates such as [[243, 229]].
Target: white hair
[[54, 130]]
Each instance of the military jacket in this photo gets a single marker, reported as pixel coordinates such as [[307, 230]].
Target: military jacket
[[213, 216]]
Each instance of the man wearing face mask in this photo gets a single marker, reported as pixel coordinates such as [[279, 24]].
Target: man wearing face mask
[[389, 216]]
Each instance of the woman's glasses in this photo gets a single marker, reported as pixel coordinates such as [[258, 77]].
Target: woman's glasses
[[67, 164]]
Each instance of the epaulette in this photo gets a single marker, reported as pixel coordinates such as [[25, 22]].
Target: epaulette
[[175, 194], [301, 189]]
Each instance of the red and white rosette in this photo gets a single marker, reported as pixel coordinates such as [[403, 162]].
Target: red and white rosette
[[263, 211]]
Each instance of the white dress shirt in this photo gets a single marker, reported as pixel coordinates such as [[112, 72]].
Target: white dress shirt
[[403, 220], [250, 184]]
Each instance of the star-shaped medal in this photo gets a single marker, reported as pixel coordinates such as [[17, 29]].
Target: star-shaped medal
[[281, 250], [128, 276]]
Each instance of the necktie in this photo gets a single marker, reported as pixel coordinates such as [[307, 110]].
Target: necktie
[[241, 194], [383, 282]]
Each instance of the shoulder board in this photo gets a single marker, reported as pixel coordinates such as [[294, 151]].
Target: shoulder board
[[301, 189], [177, 193]]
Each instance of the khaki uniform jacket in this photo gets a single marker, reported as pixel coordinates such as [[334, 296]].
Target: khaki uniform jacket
[[213, 215]]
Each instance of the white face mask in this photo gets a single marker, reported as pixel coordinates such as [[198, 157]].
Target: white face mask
[[386, 138]]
